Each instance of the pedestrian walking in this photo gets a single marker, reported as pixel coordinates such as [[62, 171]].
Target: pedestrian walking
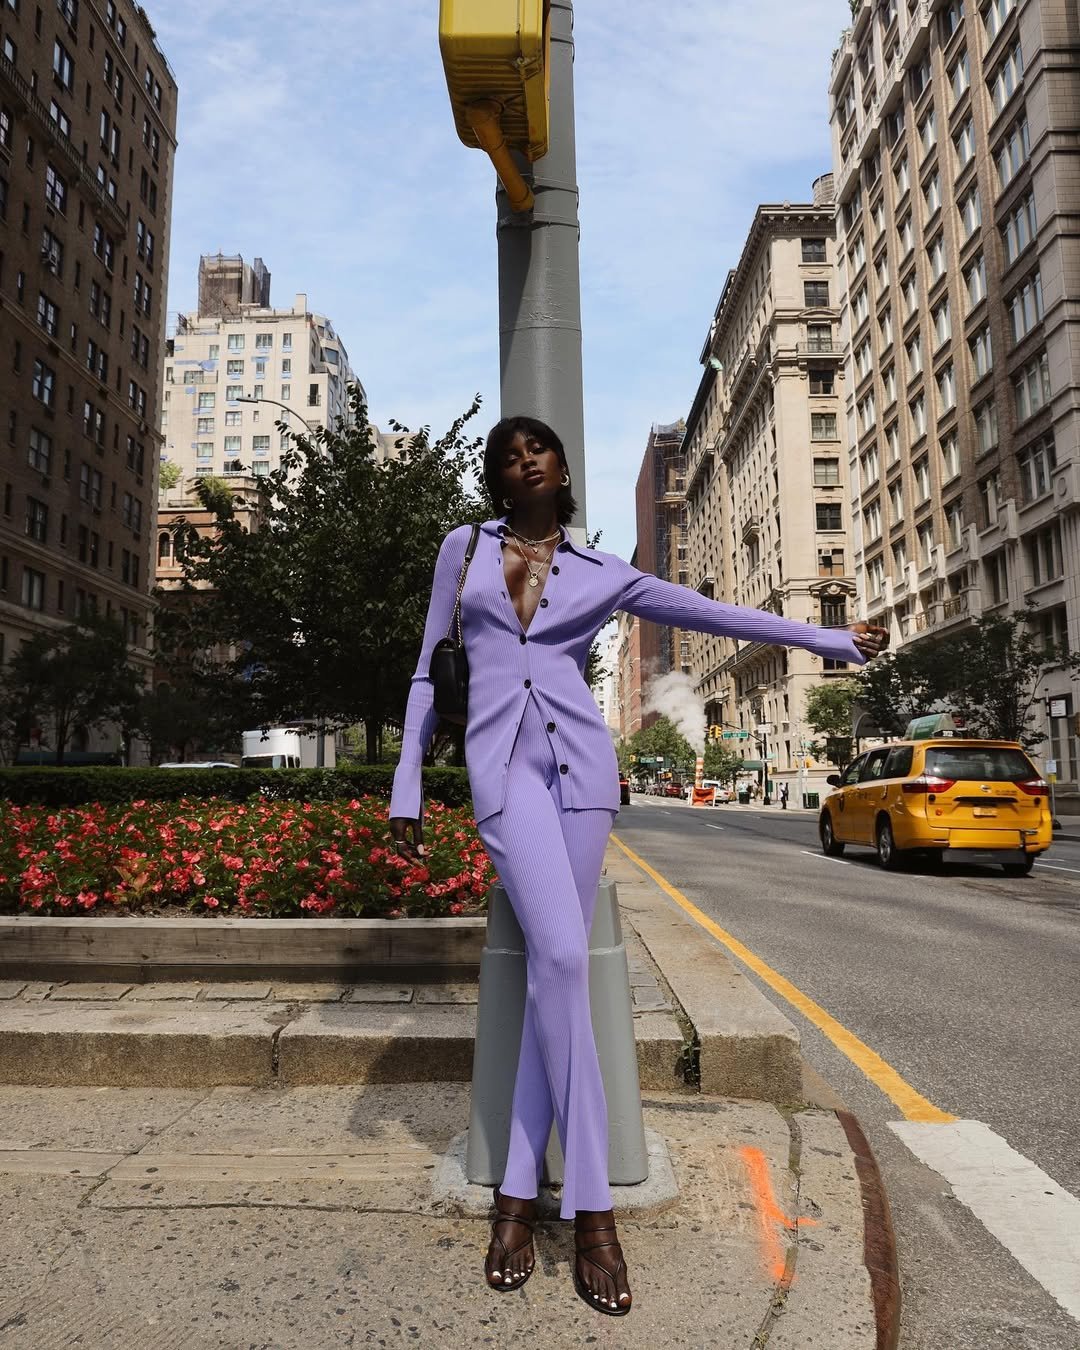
[[783, 796], [545, 789]]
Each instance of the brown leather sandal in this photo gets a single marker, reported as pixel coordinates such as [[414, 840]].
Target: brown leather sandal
[[501, 1216], [619, 1310]]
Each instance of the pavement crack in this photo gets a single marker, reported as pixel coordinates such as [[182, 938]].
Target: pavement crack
[[155, 1133], [782, 1287]]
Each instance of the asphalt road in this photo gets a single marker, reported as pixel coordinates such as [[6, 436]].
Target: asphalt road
[[966, 982]]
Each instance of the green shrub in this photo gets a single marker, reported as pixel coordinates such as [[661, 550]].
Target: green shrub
[[81, 786]]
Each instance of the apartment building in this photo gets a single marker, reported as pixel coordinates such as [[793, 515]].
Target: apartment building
[[958, 189], [628, 674], [239, 366], [767, 513], [660, 502], [87, 138]]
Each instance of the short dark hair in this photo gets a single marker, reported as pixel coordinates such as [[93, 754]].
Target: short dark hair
[[498, 442]]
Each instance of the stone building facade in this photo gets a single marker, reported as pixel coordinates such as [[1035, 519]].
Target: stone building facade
[[87, 139], [768, 519], [958, 193]]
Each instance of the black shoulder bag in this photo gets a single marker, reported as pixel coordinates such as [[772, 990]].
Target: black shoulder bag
[[449, 669]]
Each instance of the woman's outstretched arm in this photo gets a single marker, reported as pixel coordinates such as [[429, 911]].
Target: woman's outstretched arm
[[680, 607], [421, 719]]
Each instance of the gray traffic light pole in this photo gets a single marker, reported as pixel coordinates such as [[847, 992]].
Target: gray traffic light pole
[[540, 350], [539, 283]]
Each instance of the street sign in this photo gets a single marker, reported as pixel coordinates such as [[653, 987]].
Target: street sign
[[765, 729], [1058, 707], [736, 735], [646, 759], [1051, 768]]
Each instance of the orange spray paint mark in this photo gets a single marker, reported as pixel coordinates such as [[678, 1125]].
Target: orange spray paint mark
[[770, 1216]]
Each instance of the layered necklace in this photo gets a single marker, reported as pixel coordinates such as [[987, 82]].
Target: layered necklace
[[533, 570]]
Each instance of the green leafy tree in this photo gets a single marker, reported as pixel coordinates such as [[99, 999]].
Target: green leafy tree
[[663, 738], [828, 713], [74, 677], [169, 474], [995, 671], [322, 607], [721, 762], [902, 685]]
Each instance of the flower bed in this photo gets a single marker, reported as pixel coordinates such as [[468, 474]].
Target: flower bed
[[261, 858]]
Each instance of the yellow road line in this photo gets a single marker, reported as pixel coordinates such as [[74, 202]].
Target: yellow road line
[[913, 1104]]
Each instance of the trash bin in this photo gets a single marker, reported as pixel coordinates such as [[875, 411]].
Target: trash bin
[[744, 799], [811, 801]]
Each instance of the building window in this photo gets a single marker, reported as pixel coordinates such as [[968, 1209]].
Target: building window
[[286, 342], [997, 577], [236, 342], [1036, 464], [826, 473], [63, 66], [954, 524], [48, 316], [1006, 79], [959, 77], [964, 145], [896, 503], [917, 411], [921, 474], [867, 413], [207, 399], [1013, 152], [1043, 549], [928, 132], [204, 450], [37, 520], [819, 337], [204, 426], [871, 467], [905, 233], [232, 419], [936, 254], [910, 292], [834, 612], [1025, 307], [989, 499], [982, 354], [233, 392], [892, 443], [975, 281], [1052, 630], [913, 350], [260, 445], [986, 427], [950, 458], [827, 516], [970, 209], [233, 368], [232, 445], [940, 318], [823, 427], [1019, 229], [899, 561], [932, 194], [813, 251], [1031, 388], [831, 562], [33, 588], [44, 384], [924, 537], [816, 294], [875, 577], [902, 177], [946, 387], [872, 522], [39, 453], [994, 16], [264, 342]]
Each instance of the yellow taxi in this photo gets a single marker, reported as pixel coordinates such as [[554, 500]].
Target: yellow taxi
[[951, 799]]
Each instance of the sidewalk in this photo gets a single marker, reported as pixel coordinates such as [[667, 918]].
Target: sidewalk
[[294, 1178], [163, 1219]]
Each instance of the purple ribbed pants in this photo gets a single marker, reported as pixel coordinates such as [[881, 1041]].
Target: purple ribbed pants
[[549, 860]]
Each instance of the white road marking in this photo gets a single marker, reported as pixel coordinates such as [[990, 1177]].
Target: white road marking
[[1033, 1217], [1056, 867], [824, 857], [714, 827]]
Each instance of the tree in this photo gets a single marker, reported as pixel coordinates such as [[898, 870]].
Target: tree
[[323, 605], [828, 712], [663, 738], [995, 670], [903, 685], [721, 762], [69, 678], [169, 474]]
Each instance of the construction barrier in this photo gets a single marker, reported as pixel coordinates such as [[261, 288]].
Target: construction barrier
[[703, 796]]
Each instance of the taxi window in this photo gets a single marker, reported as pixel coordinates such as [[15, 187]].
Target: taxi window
[[851, 773], [898, 765], [875, 763], [991, 763]]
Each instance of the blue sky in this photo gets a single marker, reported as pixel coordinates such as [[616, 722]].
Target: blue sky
[[318, 136]]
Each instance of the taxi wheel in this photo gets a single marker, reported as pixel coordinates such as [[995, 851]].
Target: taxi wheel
[[830, 845], [1020, 869], [887, 852]]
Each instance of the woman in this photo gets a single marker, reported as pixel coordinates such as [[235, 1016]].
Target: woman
[[545, 786]]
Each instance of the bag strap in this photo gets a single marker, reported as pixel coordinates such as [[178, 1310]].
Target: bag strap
[[455, 618]]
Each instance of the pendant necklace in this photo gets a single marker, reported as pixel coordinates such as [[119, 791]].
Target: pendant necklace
[[534, 572]]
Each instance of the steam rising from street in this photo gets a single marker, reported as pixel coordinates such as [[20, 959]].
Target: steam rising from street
[[673, 696]]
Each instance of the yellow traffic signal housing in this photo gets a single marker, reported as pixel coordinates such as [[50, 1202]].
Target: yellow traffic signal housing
[[496, 51]]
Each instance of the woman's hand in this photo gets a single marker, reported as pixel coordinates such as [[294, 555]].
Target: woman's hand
[[401, 827], [870, 639]]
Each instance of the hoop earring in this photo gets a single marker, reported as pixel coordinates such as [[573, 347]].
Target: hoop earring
[[565, 480], [508, 503]]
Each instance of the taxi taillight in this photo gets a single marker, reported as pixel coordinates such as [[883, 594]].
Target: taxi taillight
[[1034, 787], [928, 783]]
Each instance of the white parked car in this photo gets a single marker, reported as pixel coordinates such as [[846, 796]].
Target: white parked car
[[721, 791]]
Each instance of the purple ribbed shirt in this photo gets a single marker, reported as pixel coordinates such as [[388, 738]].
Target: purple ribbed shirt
[[509, 664]]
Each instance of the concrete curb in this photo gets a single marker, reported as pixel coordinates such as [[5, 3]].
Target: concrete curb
[[746, 1046]]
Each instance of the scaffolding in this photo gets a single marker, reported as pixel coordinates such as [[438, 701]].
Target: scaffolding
[[227, 283]]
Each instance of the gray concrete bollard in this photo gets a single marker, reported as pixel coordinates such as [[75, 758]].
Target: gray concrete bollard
[[499, 1017]]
